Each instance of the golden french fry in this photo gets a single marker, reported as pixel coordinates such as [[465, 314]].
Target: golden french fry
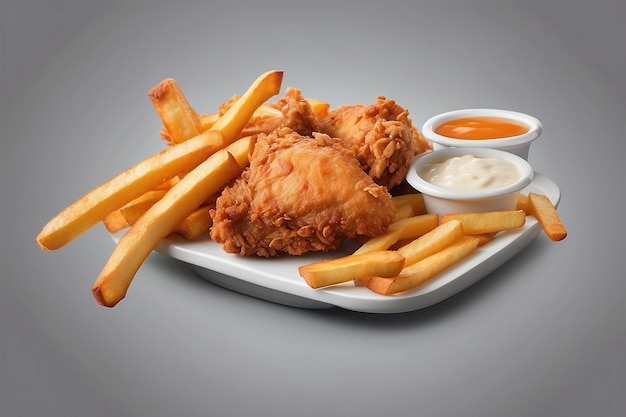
[[241, 149], [415, 200], [432, 242], [136, 244], [378, 243], [208, 120], [400, 243], [91, 208], [408, 228], [180, 120], [415, 226], [199, 222], [154, 170], [196, 224], [523, 203], [319, 107], [488, 222], [115, 221], [418, 273], [166, 185], [174, 212], [351, 267], [264, 87], [150, 197], [131, 212], [542, 208], [264, 120], [484, 238], [136, 208], [404, 211]]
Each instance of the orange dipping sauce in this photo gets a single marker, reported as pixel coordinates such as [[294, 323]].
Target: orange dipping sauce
[[481, 128]]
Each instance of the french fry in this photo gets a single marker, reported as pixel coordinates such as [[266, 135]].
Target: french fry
[[264, 120], [88, 210], [176, 211], [158, 222], [352, 267], [432, 242], [523, 203], [264, 87], [488, 222], [191, 226], [484, 238], [378, 243], [166, 185], [208, 120], [415, 200], [136, 208], [241, 149], [546, 214], [94, 206], [115, 221], [408, 228], [415, 226], [403, 212], [196, 224], [180, 120], [319, 107], [418, 273], [400, 243]]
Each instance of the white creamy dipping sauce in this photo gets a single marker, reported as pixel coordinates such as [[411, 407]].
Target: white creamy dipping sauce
[[468, 172]]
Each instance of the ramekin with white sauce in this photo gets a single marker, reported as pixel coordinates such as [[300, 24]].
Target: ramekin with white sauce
[[457, 180], [505, 130]]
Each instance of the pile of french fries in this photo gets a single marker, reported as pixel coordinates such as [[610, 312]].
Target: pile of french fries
[[173, 190], [418, 246], [167, 192]]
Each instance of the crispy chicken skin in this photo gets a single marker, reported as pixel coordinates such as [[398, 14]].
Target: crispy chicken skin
[[299, 194], [382, 136], [297, 113]]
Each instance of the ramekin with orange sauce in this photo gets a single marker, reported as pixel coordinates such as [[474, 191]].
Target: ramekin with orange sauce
[[505, 130]]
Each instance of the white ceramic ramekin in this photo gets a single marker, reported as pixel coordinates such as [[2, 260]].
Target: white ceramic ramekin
[[441, 200], [519, 145]]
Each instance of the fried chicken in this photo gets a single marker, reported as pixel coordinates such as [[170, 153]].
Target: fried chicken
[[297, 113], [382, 136], [316, 178], [299, 194]]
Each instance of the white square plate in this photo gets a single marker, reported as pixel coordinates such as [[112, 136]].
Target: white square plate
[[277, 279]]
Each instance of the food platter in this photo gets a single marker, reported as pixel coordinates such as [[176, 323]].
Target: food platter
[[277, 279]]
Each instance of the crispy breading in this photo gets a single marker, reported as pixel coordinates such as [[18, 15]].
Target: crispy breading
[[382, 135], [299, 194]]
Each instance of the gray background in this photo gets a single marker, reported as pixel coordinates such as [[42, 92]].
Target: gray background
[[544, 335]]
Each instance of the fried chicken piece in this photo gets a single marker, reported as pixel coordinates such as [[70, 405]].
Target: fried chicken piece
[[299, 194], [382, 135], [297, 112]]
